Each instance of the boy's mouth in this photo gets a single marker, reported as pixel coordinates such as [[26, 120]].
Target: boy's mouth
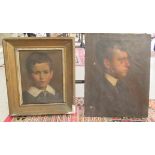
[[42, 82]]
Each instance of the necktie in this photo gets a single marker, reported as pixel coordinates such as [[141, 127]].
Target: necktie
[[42, 97]]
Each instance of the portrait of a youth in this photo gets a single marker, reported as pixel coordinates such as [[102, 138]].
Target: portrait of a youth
[[115, 82], [40, 71]]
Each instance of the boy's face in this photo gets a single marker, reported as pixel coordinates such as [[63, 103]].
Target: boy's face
[[119, 65], [41, 75]]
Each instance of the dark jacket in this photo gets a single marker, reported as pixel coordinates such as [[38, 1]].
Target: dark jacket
[[122, 100], [41, 98]]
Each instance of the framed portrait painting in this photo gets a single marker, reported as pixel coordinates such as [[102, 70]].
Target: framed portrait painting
[[39, 75], [117, 75]]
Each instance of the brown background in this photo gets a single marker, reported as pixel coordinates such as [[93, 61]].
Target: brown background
[[138, 47], [57, 80]]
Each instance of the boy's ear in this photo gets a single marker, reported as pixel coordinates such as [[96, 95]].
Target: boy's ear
[[106, 63], [51, 74]]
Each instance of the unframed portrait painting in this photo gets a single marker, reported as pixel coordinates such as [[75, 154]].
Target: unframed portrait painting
[[117, 75]]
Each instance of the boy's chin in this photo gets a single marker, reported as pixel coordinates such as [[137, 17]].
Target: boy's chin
[[42, 87], [122, 76]]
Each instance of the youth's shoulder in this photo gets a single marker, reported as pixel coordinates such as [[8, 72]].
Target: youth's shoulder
[[25, 93], [27, 97]]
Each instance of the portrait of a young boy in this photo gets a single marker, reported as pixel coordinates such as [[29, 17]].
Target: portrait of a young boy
[[40, 73]]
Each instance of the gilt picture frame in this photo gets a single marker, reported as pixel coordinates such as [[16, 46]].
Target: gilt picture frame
[[39, 75]]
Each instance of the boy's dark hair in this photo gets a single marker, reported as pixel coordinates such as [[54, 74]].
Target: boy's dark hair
[[37, 57]]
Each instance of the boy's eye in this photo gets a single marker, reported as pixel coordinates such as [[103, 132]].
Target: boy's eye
[[37, 72], [123, 60], [45, 72]]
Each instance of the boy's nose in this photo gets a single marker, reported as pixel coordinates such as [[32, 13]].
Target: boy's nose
[[127, 64], [41, 75]]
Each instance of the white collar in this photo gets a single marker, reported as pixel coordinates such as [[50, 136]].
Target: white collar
[[35, 91], [111, 79]]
